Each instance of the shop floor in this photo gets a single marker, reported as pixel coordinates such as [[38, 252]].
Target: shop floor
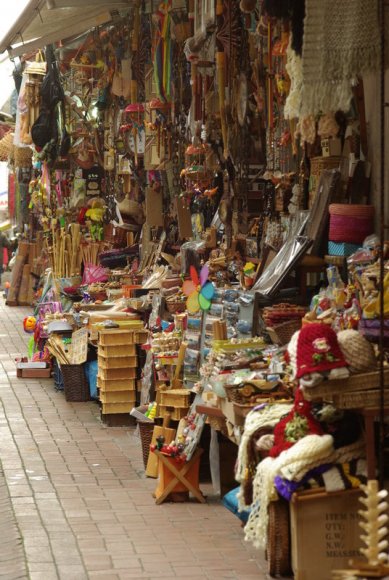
[[81, 502]]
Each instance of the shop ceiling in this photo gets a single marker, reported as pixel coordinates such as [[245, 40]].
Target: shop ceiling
[[44, 22]]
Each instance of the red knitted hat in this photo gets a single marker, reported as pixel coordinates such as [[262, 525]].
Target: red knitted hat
[[298, 423], [318, 350]]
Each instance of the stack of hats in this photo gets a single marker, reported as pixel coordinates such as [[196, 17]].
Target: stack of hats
[[349, 226]]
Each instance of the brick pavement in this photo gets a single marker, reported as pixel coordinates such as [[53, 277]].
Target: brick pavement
[[82, 503]]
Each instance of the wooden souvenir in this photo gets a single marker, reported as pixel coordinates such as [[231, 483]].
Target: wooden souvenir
[[154, 208], [174, 477], [169, 434], [184, 219]]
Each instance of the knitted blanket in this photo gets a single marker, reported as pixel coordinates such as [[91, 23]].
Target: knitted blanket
[[267, 416], [341, 42], [293, 464]]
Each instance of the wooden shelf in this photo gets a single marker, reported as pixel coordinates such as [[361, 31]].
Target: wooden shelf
[[210, 411]]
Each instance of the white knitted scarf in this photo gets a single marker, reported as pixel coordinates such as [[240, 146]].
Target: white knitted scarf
[[293, 464], [341, 42], [268, 416]]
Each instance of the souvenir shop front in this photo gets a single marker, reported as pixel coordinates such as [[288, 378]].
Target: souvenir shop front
[[196, 186]]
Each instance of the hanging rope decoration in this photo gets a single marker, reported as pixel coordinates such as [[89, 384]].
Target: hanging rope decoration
[[162, 54]]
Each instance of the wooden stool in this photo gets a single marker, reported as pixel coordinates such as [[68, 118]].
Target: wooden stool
[[178, 477]]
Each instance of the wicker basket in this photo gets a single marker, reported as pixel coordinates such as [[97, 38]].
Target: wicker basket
[[23, 156], [282, 333], [355, 384], [360, 399], [76, 386], [146, 434]]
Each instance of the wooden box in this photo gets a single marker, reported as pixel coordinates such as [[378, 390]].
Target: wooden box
[[117, 363], [141, 336], [118, 397], [176, 413], [116, 337], [325, 533], [117, 374], [116, 384], [118, 350], [116, 408], [175, 398], [31, 372]]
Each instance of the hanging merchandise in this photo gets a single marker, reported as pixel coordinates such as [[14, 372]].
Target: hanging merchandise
[[162, 51]]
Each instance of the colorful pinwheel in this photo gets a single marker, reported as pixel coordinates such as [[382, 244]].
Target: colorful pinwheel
[[198, 290]]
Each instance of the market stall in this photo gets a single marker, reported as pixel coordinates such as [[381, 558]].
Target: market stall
[[199, 248]]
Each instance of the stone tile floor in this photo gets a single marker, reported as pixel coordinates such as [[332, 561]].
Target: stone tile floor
[[83, 506]]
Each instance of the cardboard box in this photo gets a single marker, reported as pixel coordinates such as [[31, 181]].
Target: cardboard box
[[325, 533], [28, 371]]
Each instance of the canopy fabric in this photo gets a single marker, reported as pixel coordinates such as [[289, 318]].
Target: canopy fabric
[[44, 22]]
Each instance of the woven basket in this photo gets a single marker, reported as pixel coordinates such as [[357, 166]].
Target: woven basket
[[351, 210], [360, 382], [23, 156], [360, 399], [282, 333], [76, 386], [7, 146], [146, 434]]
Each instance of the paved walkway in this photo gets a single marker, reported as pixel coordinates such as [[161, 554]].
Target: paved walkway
[[82, 504]]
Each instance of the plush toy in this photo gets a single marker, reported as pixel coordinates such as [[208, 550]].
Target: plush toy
[[315, 355]]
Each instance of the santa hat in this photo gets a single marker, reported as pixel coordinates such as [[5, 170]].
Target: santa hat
[[315, 349]]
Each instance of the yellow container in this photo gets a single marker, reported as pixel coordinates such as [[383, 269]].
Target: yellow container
[[118, 396], [116, 384], [117, 350], [116, 408], [117, 374], [121, 362], [175, 398], [116, 337]]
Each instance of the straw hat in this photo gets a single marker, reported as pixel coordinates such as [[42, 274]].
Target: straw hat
[[358, 352], [6, 146]]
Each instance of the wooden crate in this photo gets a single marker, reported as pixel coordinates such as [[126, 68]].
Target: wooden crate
[[117, 374], [176, 413], [141, 336], [116, 408], [118, 397], [116, 384], [118, 363], [175, 398], [118, 350], [114, 337]]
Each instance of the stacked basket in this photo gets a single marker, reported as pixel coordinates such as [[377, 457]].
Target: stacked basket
[[349, 226]]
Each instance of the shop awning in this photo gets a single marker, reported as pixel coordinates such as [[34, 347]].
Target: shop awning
[[44, 22]]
